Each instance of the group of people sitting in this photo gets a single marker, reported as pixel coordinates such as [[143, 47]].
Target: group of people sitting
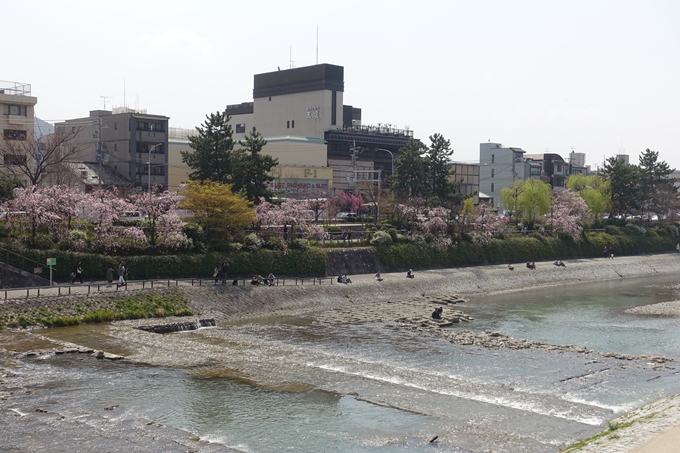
[[259, 280], [531, 265], [559, 263], [437, 313], [343, 278]]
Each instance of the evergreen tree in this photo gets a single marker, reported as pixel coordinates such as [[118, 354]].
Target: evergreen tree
[[439, 156], [411, 170], [626, 188], [656, 181], [252, 170], [212, 156]]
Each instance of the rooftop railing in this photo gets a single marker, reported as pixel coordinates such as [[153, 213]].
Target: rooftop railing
[[15, 88], [380, 129]]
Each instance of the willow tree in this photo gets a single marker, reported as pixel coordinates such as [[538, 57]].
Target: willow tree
[[595, 191], [528, 199]]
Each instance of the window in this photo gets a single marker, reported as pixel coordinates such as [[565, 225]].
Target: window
[[14, 110], [115, 146], [146, 147], [270, 98], [13, 134], [559, 168], [493, 172], [535, 171], [142, 126], [292, 123], [241, 128], [492, 187], [115, 126], [156, 127], [493, 158], [13, 159], [287, 124]]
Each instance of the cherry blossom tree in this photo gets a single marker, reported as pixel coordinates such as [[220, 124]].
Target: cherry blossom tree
[[567, 210], [154, 206], [487, 223]]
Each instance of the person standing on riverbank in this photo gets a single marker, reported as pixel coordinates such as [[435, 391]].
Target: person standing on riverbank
[[122, 272], [224, 270], [109, 274]]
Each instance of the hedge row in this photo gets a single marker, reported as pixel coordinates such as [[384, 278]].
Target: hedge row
[[623, 241], [310, 262]]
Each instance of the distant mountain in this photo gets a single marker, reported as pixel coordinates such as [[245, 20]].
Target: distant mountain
[[42, 128]]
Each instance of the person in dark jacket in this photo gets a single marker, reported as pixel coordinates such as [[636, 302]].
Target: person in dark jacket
[[77, 273]]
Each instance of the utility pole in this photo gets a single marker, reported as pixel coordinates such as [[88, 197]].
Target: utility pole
[[353, 153]]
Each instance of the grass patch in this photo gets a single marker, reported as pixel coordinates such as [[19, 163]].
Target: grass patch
[[613, 427]]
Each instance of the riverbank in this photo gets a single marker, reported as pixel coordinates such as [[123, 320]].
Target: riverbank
[[396, 299]]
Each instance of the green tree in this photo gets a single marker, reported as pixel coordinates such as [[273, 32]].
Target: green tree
[[411, 170], [626, 185], [252, 169], [439, 157], [216, 208], [211, 158], [510, 197], [594, 190], [656, 181], [7, 186], [526, 199]]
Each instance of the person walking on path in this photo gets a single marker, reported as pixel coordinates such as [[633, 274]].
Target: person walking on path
[[224, 270], [77, 273], [122, 272], [109, 274], [216, 274]]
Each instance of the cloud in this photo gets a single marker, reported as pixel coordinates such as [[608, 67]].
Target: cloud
[[179, 40]]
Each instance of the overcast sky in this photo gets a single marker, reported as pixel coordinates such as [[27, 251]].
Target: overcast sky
[[599, 76]]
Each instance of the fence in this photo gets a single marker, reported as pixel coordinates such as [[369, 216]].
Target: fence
[[89, 288]]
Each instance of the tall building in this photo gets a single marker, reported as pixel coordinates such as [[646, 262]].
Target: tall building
[[500, 167], [300, 112], [17, 120], [125, 145]]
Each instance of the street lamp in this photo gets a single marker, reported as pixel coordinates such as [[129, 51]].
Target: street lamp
[[391, 155], [149, 164]]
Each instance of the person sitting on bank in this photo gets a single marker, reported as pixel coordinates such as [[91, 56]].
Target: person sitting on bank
[[255, 280], [561, 264], [409, 274], [346, 279], [270, 279], [511, 267], [531, 265], [340, 279], [437, 313], [378, 277]]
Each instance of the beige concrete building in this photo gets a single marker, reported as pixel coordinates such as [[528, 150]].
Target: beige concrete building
[[17, 121], [125, 142]]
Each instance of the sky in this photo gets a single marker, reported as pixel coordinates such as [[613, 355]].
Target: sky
[[601, 77]]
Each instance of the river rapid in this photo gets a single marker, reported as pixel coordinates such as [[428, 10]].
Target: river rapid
[[301, 383]]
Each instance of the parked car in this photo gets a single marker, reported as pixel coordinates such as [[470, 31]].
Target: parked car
[[347, 216]]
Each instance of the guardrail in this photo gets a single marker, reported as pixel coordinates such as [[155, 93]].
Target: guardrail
[[101, 287]]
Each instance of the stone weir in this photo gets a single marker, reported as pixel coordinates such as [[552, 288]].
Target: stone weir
[[179, 326]]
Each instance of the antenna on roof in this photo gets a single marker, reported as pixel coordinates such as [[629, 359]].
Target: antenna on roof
[[292, 63], [105, 98], [317, 44]]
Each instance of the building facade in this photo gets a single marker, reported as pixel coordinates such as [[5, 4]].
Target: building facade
[[128, 144], [17, 121], [300, 112], [500, 167]]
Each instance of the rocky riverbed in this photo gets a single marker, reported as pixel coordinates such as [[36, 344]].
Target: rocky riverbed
[[397, 302]]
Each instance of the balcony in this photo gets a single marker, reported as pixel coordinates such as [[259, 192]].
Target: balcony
[[151, 136], [15, 88]]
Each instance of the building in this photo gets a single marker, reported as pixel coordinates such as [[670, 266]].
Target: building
[[123, 143], [300, 112], [500, 167], [17, 120], [554, 170], [468, 177]]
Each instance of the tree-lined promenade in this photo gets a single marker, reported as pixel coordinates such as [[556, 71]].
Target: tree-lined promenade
[[424, 220]]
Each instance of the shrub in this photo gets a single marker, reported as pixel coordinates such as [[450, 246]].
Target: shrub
[[252, 242], [393, 234], [274, 243], [381, 238], [636, 229], [300, 244]]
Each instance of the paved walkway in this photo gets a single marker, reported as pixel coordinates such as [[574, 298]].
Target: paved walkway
[[666, 442]]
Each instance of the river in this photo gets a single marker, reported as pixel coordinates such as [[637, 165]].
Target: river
[[291, 384]]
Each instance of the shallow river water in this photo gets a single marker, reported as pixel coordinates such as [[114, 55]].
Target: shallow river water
[[291, 385]]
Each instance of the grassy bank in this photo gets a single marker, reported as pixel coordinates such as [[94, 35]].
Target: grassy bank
[[74, 310]]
